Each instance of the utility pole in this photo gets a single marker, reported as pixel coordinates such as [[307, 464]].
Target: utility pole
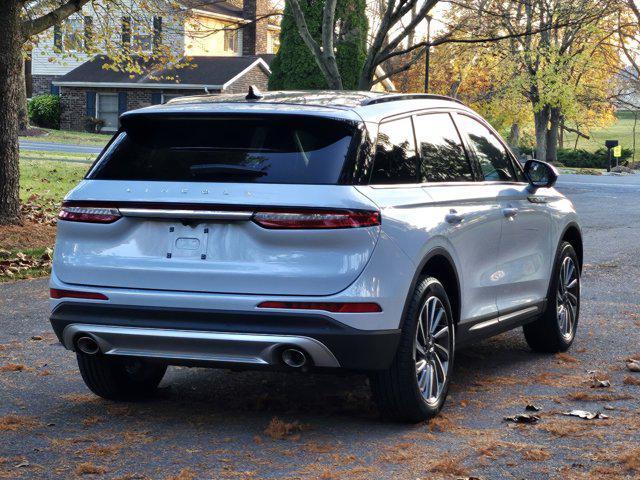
[[427, 57]]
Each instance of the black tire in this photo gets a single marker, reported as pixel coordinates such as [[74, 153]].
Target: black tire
[[549, 333], [120, 378], [396, 390]]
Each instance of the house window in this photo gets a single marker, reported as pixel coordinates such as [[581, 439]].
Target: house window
[[69, 36], [142, 36], [141, 33], [273, 42], [231, 41], [107, 110]]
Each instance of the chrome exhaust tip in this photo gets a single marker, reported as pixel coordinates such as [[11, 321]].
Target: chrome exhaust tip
[[87, 345], [294, 358]]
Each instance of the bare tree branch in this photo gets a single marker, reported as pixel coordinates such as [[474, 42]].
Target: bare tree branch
[[40, 24]]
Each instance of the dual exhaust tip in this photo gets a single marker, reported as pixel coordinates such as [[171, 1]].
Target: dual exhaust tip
[[291, 357], [87, 345], [294, 358]]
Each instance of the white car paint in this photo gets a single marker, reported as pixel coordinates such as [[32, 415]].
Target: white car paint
[[503, 261]]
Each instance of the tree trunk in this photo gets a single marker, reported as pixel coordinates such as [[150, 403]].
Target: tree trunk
[[552, 135], [514, 136], [23, 116], [10, 93], [541, 124], [635, 124]]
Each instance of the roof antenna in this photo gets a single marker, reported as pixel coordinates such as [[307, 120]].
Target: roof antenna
[[254, 93]]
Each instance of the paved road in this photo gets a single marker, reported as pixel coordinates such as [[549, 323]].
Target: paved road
[[213, 424], [58, 147]]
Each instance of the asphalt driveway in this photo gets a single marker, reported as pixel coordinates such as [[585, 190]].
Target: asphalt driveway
[[220, 424]]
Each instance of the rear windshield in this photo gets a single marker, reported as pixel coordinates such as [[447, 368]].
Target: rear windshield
[[262, 150]]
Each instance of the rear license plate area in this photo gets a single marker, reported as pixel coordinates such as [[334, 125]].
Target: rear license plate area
[[188, 242]]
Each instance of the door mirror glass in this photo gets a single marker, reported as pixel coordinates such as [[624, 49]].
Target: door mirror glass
[[540, 174]]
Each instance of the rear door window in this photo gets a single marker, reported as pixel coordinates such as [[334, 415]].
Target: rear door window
[[495, 161], [442, 156], [395, 161], [261, 150]]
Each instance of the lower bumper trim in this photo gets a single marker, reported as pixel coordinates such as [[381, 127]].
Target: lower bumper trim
[[181, 345]]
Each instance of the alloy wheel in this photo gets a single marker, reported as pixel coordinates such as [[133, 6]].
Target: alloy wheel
[[567, 297], [432, 349]]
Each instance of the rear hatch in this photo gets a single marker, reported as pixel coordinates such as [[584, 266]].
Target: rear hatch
[[245, 204]]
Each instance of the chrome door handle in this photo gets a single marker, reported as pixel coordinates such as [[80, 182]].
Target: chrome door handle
[[510, 212], [453, 217]]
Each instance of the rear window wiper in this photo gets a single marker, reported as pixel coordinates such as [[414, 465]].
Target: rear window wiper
[[228, 169]]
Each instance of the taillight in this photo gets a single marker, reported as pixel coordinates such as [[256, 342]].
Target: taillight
[[317, 219], [89, 214], [334, 307], [57, 293]]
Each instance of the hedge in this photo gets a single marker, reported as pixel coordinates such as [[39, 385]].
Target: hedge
[[44, 111], [584, 159]]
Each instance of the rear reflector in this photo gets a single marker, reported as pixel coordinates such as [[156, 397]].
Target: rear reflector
[[317, 219], [326, 306], [56, 293], [89, 214]]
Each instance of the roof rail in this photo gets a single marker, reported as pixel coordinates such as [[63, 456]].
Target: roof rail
[[408, 96]]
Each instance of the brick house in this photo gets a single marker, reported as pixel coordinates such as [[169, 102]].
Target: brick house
[[220, 60]]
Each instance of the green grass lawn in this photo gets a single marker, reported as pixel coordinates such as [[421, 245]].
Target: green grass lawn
[[74, 138], [48, 179], [622, 130]]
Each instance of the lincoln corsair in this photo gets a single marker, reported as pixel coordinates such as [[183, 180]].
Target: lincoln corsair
[[310, 231]]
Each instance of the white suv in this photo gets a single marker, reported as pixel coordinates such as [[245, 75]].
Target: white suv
[[310, 231]]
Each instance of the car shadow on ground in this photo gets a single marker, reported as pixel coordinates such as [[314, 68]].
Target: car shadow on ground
[[211, 395]]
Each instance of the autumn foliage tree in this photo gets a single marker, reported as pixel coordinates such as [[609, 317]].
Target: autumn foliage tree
[[558, 66]]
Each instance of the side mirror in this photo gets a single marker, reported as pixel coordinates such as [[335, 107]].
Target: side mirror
[[540, 174]]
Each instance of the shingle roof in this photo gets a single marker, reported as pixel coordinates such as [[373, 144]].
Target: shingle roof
[[214, 6], [205, 71]]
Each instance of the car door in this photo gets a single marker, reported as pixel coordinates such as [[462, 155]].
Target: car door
[[524, 253]]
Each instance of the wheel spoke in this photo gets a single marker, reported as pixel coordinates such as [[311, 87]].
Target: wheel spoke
[[432, 313], [442, 351], [440, 369], [573, 284], [444, 331], [436, 322], [570, 271], [573, 300], [429, 383], [421, 325], [435, 383], [561, 318], [572, 317], [420, 349], [420, 365]]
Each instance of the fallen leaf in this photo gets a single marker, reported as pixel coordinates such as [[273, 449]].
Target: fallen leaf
[[532, 408], [633, 365], [23, 464], [522, 418], [600, 383], [585, 414]]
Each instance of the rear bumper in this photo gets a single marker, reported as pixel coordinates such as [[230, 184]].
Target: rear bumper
[[225, 338]]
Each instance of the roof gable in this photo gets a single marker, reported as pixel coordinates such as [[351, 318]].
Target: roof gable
[[211, 72]]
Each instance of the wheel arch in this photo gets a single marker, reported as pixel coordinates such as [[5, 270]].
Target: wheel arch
[[573, 235], [439, 264]]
